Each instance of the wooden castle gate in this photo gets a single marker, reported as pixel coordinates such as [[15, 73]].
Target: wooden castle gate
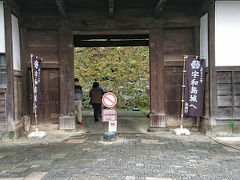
[[51, 28]]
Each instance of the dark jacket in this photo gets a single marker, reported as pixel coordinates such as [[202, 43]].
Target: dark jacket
[[96, 95], [78, 92]]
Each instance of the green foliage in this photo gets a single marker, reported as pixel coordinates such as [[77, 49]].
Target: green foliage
[[232, 123], [117, 69]]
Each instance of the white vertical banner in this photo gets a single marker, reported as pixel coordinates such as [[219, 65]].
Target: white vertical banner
[[204, 37], [2, 29], [16, 44], [227, 28]]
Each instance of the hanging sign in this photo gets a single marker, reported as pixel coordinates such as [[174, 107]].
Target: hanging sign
[[109, 100], [36, 63], [112, 126], [194, 87], [109, 115]]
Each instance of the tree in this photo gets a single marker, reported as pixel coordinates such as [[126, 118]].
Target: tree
[[117, 69]]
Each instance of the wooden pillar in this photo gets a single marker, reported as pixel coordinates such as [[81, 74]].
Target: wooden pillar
[[9, 70], [157, 115], [24, 61], [197, 39], [212, 68], [66, 75]]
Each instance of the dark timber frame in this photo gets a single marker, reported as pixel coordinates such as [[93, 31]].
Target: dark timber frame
[[159, 7], [61, 8], [212, 68], [51, 29], [9, 64], [157, 115]]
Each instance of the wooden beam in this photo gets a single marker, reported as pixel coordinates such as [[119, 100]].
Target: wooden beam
[[47, 65], [159, 7], [111, 8], [61, 8], [98, 23], [112, 32], [9, 70], [113, 36], [111, 43]]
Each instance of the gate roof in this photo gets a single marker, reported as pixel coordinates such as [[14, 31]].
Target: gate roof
[[110, 7]]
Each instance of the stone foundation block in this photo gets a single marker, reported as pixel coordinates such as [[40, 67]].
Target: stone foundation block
[[6, 135], [225, 130], [157, 120], [67, 122]]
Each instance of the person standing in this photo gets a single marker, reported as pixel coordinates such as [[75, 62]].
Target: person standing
[[102, 91], [78, 100], [96, 97]]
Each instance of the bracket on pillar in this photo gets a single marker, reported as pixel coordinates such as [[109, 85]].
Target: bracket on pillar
[[61, 8], [111, 8], [159, 7]]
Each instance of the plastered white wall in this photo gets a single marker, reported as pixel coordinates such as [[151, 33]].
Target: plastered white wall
[[15, 44], [204, 37], [2, 29], [227, 33]]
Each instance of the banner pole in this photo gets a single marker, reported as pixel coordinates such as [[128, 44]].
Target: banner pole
[[35, 109], [181, 130], [35, 134], [183, 87]]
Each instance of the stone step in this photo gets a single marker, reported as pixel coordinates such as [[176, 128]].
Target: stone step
[[45, 127]]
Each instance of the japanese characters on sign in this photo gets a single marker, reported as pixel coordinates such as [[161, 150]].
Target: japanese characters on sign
[[112, 126], [109, 115], [36, 70], [194, 87]]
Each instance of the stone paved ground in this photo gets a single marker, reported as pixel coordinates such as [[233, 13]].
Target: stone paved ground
[[128, 122], [132, 156]]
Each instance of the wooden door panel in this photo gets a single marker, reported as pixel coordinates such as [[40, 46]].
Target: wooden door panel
[[3, 123], [173, 96], [49, 97]]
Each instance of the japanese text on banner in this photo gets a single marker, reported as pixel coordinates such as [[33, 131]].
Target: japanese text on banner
[[36, 68], [194, 87]]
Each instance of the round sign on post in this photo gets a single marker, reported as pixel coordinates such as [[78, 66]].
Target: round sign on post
[[109, 100]]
